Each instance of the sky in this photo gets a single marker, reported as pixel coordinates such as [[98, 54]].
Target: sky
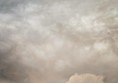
[[58, 41]]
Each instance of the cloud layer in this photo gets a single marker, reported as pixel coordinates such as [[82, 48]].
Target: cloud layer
[[47, 41]]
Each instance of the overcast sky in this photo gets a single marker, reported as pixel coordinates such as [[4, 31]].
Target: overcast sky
[[58, 41]]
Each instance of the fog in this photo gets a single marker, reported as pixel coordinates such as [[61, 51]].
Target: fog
[[48, 41]]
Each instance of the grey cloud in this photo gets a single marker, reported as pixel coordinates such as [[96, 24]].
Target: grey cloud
[[48, 41]]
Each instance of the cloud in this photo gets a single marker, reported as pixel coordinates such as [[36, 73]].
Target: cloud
[[85, 78], [47, 41]]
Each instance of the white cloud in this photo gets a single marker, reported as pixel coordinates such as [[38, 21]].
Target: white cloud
[[86, 78]]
